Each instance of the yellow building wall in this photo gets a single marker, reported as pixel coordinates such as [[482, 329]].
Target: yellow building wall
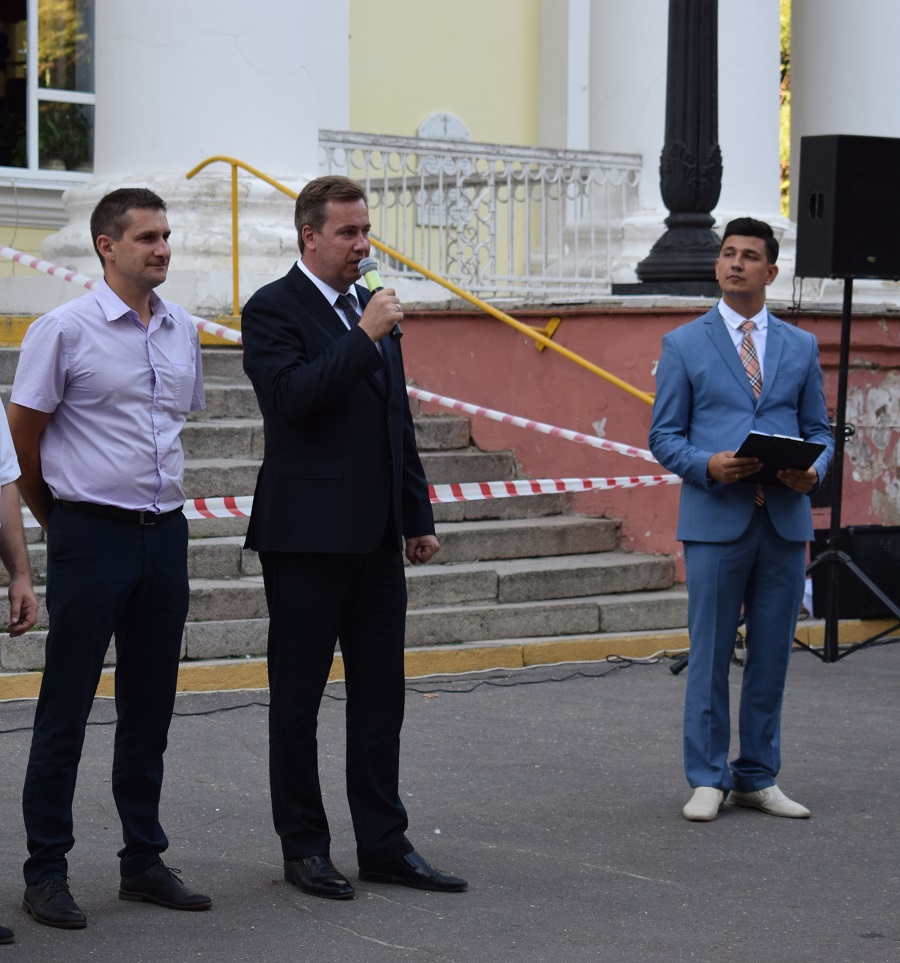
[[477, 59], [25, 239]]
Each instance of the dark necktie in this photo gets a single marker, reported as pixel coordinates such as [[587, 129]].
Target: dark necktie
[[750, 361], [347, 306]]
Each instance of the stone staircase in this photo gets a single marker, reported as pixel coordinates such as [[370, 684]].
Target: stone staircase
[[517, 568]]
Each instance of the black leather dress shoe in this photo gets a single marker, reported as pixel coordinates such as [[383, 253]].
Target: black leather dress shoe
[[161, 885], [412, 870], [318, 876], [50, 902], [6, 935]]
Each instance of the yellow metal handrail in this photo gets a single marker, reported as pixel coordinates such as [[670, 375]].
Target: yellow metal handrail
[[526, 329]]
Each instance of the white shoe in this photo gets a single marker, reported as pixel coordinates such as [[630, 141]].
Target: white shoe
[[772, 801], [704, 805]]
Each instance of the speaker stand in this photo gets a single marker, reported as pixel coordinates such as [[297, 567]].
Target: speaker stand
[[833, 557]]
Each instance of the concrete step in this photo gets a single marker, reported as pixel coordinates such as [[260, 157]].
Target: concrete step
[[508, 568], [203, 528], [477, 541], [531, 506], [451, 624], [242, 633], [467, 465], [240, 438], [235, 638], [224, 364], [555, 549], [217, 477], [217, 557], [241, 435], [440, 625], [227, 399], [212, 599], [523, 580], [9, 360], [441, 433], [224, 600]]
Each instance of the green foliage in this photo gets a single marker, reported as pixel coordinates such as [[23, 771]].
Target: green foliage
[[64, 133]]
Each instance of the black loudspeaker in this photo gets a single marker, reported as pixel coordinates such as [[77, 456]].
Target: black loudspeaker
[[848, 207], [876, 550]]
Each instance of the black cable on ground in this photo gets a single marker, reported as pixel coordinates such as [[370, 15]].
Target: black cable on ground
[[452, 684]]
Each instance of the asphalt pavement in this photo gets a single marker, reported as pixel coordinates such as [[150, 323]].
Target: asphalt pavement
[[556, 790]]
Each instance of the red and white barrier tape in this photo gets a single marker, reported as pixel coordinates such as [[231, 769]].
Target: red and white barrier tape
[[217, 330], [229, 334], [229, 507], [45, 267], [545, 429], [239, 506], [54, 270], [476, 491]]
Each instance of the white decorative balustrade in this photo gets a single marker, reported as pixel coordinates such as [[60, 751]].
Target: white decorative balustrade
[[502, 222]]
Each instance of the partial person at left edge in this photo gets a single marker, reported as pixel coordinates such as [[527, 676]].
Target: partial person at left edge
[[103, 387], [14, 555]]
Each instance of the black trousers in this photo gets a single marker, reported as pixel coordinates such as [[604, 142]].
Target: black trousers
[[106, 576], [314, 601]]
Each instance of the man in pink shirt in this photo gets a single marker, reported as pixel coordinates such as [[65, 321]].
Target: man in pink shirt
[[103, 387]]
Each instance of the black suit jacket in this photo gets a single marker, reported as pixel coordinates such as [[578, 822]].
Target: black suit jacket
[[340, 457]]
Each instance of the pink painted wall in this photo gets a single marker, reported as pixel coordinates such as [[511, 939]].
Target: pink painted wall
[[477, 359]]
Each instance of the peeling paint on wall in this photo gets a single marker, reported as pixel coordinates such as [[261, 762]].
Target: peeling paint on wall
[[873, 452]]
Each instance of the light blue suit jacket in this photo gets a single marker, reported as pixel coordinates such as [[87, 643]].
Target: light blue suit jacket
[[704, 404]]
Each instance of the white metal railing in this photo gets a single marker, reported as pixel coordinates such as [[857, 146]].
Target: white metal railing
[[499, 221]]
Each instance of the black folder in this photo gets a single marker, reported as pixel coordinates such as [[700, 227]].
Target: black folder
[[777, 452]]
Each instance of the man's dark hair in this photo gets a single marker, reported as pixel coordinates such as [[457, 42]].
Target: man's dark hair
[[111, 215], [312, 202], [750, 227]]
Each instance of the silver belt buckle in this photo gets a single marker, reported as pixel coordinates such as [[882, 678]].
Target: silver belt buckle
[[149, 516]]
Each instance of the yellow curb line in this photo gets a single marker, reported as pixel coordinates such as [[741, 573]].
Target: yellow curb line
[[252, 673], [14, 326]]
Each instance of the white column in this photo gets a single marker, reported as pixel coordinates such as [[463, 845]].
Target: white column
[[578, 75], [628, 85], [845, 72], [628, 88], [749, 82], [179, 81], [749, 122], [619, 94], [845, 75], [334, 64], [564, 82]]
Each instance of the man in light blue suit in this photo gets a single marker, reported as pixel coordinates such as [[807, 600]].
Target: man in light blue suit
[[720, 377]]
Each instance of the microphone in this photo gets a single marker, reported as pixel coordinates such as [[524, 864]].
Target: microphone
[[368, 268]]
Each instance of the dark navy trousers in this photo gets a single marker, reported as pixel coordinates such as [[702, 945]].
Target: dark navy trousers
[[314, 601], [106, 577]]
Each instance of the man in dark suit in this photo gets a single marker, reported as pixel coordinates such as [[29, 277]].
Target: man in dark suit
[[341, 486], [739, 369]]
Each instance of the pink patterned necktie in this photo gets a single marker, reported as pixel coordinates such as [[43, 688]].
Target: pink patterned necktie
[[349, 309], [750, 361]]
